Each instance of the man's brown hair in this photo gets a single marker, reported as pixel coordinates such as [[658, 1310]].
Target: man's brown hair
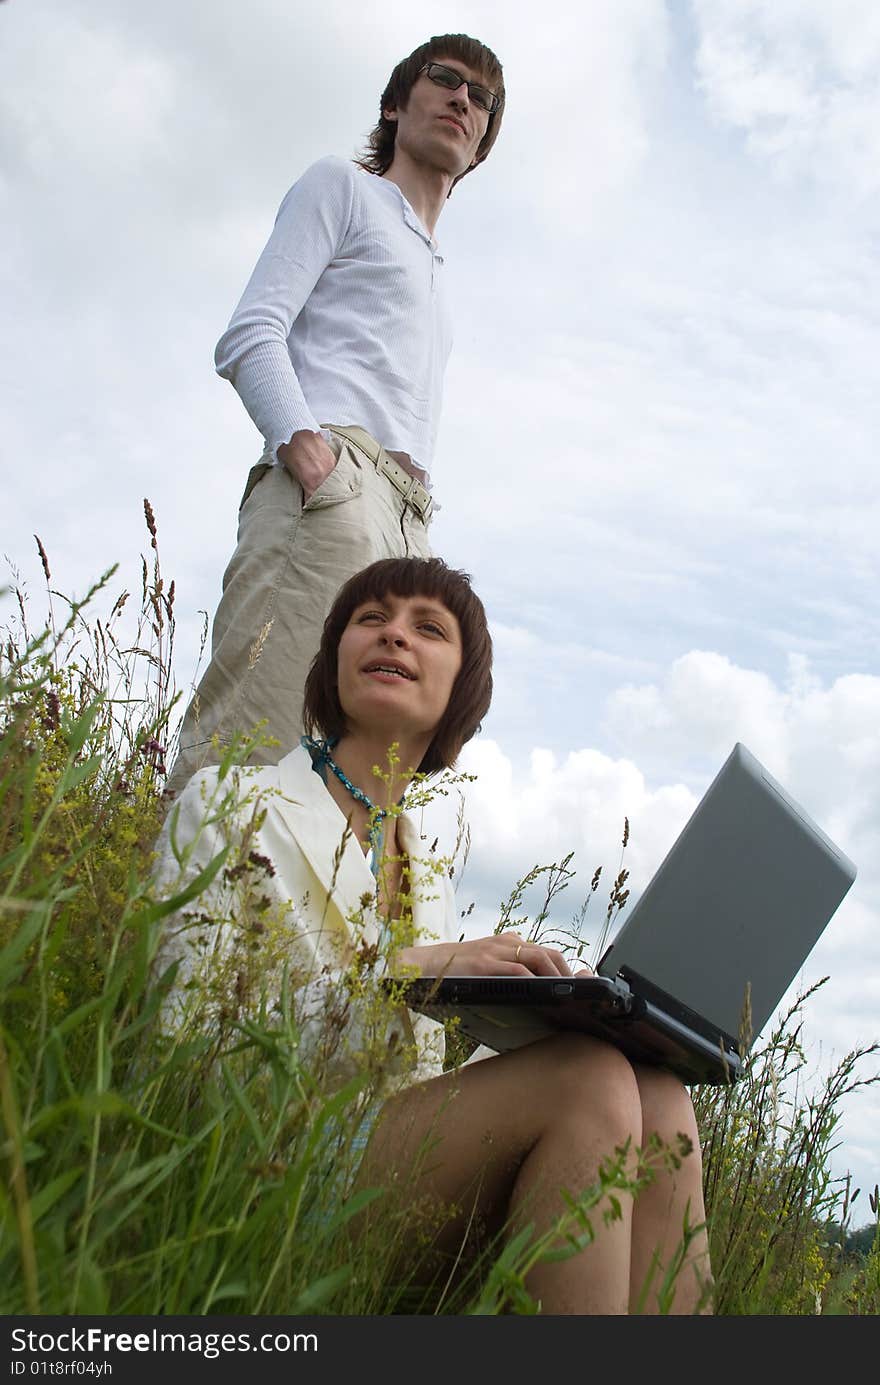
[[472, 690], [380, 142]]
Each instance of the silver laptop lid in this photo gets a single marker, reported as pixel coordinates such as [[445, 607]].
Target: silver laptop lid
[[742, 896]]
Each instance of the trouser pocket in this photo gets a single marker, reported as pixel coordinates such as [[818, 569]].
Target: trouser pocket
[[255, 476], [343, 483]]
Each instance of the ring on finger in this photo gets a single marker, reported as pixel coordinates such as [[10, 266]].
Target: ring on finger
[[519, 949]]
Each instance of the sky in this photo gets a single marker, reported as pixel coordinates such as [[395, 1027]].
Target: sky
[[658, 451]]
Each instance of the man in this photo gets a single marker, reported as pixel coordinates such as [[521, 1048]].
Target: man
[[337, 350]]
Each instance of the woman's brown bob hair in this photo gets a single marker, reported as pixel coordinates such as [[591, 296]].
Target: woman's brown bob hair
[[380, 142], [472, 689]]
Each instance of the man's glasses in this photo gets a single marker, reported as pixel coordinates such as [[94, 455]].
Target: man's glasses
[[450, 79]]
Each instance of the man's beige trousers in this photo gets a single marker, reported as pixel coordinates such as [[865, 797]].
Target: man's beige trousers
[[289, 563]]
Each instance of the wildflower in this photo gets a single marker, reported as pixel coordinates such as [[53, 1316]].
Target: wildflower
[[154, 753], [261, 862]]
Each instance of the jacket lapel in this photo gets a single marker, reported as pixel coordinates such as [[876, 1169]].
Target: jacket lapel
[[322, 835], [428, 888], [314, 821]]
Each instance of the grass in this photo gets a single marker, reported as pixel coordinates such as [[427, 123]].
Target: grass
[[201, 1173]]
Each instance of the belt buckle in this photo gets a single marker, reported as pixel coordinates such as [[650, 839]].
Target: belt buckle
[[421, 500]]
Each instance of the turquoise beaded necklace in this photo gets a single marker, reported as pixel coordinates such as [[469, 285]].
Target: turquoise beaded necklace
[[320, 753]]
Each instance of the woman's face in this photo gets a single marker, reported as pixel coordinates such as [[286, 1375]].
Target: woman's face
[[398, 660]]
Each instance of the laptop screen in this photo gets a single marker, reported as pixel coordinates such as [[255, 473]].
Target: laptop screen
[[742, 897]]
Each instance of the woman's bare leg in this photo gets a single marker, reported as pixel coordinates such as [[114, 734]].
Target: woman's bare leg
[[661, 1208], [505, 1135]]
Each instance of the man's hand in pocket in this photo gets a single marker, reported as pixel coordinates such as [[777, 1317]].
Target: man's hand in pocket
[[308, 459]]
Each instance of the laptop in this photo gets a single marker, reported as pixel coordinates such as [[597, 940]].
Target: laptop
[[735, 908]]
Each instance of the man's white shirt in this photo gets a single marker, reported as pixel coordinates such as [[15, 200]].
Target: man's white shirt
[[343, 319]]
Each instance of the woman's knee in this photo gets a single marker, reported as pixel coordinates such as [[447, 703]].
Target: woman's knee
[[587, 1079]]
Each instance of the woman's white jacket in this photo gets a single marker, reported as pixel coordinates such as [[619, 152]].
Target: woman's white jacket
[[289, 911]]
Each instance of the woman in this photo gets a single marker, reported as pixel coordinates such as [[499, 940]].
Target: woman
[[346, 887]]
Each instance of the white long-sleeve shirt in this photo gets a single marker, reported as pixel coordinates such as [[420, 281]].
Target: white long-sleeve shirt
[[343, 319]]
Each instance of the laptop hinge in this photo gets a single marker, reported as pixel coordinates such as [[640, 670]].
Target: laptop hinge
[[661, 1000]]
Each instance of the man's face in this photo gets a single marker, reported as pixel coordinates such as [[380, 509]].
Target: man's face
[[439, 127]]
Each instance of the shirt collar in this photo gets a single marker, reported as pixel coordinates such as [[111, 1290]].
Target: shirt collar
[[413, 221]]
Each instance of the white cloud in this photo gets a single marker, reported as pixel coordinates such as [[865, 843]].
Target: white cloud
[[822, 741], [801, 79], [575, 803]]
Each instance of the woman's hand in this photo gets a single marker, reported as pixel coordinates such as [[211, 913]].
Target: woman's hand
[[502, 954]]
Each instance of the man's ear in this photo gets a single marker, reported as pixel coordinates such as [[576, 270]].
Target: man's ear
[[390, 113]]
